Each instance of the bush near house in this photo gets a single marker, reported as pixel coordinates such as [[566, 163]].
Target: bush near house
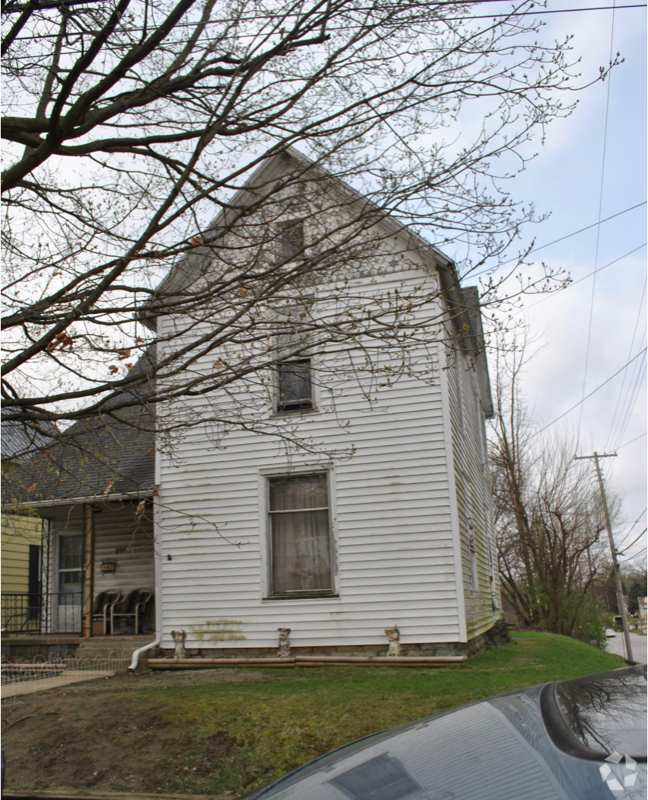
[[225, 732]]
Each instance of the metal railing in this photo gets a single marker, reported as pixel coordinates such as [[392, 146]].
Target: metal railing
[[22, 676], [52, 612]]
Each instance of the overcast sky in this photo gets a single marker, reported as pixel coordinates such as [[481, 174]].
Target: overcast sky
[[566, 181]]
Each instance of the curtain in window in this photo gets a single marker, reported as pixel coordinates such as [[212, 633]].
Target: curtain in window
[[301, 553]]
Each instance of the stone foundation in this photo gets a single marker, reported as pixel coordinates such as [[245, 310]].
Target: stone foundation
[[475, 646]]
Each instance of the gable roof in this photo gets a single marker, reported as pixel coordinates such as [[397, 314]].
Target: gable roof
[[183, 273]]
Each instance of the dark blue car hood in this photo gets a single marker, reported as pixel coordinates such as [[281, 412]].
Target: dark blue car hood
[[503, 748]]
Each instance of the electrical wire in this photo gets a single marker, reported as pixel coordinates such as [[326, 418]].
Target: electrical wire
[[621, 552], [633, 393], [634, 358], [632, 558], [554, 11], [641, 435], [598, 229], [562, 239], [630, 529], [573, 283], [634, 333]]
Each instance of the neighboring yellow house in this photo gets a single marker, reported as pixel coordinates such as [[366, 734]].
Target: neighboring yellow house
[[21, 543], [20, 572]]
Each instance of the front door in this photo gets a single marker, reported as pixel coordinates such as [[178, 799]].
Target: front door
[[70, 583]]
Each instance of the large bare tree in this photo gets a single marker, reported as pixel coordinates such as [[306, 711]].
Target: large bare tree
[[131, 124], [548, 512]]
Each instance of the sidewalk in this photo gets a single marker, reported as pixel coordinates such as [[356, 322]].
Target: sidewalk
[[64, 679]]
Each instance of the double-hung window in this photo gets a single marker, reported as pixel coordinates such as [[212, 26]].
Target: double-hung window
[[294, 384], [300, 535]]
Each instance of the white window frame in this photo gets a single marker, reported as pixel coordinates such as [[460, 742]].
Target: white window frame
[[291, 412], [266, 551], [282, 226]]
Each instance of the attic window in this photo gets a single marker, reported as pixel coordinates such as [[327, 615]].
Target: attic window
[[294, 385], [291, 240]]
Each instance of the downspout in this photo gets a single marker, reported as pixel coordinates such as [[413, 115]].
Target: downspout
[[157, 549]]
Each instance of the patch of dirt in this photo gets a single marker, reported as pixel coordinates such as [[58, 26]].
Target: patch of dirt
[[97, 735]]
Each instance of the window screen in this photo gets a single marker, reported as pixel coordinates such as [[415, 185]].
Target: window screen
[[295, 389], [300, 531]]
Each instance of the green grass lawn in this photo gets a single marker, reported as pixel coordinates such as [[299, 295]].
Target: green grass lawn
[[253, 732]]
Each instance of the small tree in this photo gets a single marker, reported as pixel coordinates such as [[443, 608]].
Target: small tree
[[548, 514]]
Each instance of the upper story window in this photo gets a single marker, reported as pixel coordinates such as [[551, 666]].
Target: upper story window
[[294, 386], [300, 535], [291, 239]]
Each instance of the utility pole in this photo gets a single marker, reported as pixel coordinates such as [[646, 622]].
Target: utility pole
[[619, 588]]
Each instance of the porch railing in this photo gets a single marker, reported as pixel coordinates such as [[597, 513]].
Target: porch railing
[[52, 612]]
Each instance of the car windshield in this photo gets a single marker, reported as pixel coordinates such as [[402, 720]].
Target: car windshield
[[599, 715]]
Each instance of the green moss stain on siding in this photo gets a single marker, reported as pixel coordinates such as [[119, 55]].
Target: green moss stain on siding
[[219, 630]]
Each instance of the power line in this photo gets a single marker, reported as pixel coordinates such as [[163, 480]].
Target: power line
[[641, 435], [598, 229], [629, 399], [633, 524], [621, 552], [562, 238], [554, 11], [590, 394], [632, 558], [634, 333], [584, 278]]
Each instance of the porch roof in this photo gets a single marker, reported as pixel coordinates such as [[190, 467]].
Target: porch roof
[[98, 459]]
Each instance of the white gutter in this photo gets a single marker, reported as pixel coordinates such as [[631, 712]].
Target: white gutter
[[73, 501]]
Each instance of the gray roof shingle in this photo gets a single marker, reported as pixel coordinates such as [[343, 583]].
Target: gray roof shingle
[[108, 455]]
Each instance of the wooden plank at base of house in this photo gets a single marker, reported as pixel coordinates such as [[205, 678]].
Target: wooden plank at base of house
[[305, 661], [211, 663]]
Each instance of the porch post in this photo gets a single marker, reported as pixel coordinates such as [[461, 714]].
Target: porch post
[[88, 570]]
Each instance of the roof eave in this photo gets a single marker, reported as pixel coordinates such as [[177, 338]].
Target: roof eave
[[73, 501]]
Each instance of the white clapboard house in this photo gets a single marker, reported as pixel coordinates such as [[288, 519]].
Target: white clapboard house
[[255, 537], [386, 521]]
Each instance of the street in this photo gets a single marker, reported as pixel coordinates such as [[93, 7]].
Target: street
[[638, 643]]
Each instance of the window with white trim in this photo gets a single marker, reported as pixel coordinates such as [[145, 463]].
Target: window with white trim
[[291, 240], [294, 386], [300, 535]]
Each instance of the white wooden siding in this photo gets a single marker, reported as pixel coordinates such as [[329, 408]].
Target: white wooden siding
[[114, 528], [474, 497], [391, 520], [120, 536]]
